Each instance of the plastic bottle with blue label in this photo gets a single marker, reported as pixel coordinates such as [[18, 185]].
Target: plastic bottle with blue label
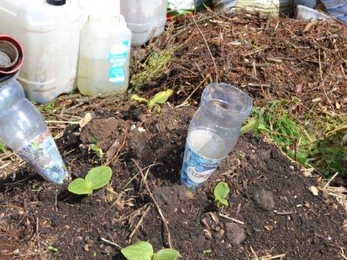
[[213, 131], [22, 126], [104, 55]]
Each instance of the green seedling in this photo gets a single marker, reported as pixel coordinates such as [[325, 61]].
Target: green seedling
[[2, 147], [96, 149], [95, 179], [144, 251], [207, 252], [93, 147], [159, 98], [52, 249], [220, 193]]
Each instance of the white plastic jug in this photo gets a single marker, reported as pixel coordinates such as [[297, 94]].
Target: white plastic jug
[[145, 19], [49, 34], [104, 55]]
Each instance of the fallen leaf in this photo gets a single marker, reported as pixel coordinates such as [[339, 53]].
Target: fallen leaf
[[85, 120], [313, 190]]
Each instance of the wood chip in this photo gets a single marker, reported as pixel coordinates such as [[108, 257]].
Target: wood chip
[[313, 190]]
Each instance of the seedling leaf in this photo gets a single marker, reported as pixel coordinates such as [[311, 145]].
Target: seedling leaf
[[95, 179], [80, 187], [252, 125], [220, 192], [138, 251], [160, 97], [52, 249], [140, 99], [2, 147], [167, 254], [98, 177]]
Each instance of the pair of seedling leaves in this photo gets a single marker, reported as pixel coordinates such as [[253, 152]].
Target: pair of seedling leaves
[[159, 98], [95, 179], [144, 251], [220, 193]]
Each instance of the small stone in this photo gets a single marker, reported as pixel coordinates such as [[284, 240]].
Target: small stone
[[235, 233], [264, 199], [108, 250]]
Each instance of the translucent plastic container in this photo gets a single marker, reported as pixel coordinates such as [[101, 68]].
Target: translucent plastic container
[[306, 13], [213, 131], [49, 34], [24, 130], [104, 54], [335, 8], [145, 19]]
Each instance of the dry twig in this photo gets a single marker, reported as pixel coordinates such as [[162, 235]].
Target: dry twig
[[165, 222], [140, 222], [208, 49]]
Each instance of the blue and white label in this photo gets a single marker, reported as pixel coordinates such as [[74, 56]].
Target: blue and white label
[[116, 75], [196, 169], [118, 56]]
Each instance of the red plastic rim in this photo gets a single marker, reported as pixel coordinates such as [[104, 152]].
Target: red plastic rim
[[15, 67]]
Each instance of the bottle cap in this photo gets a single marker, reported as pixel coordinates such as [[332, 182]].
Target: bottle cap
[[11, 55], [56, 2]]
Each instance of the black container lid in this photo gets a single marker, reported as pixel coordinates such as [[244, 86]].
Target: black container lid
[[56, 2]]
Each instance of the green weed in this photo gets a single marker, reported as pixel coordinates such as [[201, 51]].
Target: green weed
[[314, 140], [278, 125], [3, 147], [155, 65], [329, 155], [48, 107]]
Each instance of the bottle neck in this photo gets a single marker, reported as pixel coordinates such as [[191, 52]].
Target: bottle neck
[[4, 80]]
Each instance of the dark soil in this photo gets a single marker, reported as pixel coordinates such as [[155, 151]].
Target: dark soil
[[272, 212]]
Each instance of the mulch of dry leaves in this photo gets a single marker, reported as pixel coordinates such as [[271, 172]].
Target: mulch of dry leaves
[[270, 57]]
